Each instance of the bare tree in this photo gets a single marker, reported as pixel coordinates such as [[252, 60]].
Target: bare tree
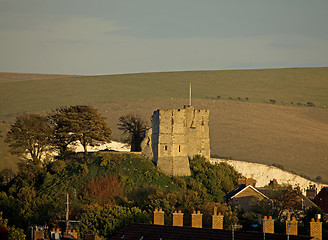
[[135, 127]]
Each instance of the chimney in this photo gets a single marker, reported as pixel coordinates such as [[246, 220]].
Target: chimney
[[178, 218], [241, 181], [217, 220], [158, 217], [268, 224], [291, 226], [197, 219], [250, 181], [316, 229], [311, 191]]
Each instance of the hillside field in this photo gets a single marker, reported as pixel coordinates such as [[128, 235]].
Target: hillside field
[[288, 132]]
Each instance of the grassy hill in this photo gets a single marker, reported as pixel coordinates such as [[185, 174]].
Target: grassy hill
[[101, 180], [288, 132], [283, 85]]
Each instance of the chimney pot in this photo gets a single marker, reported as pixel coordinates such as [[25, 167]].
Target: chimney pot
[[268, 225], [292, 227], [197, 219], [179, 211], [316, 229], [194, 212], [217, 221], [175, 211], [161, 210], [158, 217], [178, 219]]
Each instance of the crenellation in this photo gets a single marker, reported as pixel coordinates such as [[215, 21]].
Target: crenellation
[[176, 135]]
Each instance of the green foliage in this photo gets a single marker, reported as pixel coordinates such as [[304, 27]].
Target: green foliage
[[105, 221], [111, 184], [217, 179], [228, 211], [30, 134], [79, 123], [13, 232], [57, 166], [16, 233], [306, 219], [6, 175], [29, 172]]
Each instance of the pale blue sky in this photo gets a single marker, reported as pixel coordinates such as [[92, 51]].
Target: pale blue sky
[[127, 36]]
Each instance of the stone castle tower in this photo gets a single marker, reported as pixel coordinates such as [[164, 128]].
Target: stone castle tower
[[176, 135]]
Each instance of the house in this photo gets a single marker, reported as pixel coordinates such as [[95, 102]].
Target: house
[[159, 231], [152, 232], [245, 196], [322, 199]]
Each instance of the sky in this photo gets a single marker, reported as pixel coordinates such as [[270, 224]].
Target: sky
[[131, 36]]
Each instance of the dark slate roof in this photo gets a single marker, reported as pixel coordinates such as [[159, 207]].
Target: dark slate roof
[[307, 202], [273, 193], [234, 192], [324, 188], [152, 232]]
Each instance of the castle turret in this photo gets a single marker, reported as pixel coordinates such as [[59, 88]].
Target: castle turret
[[176, 135]]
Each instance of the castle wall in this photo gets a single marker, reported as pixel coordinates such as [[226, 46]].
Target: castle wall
[[176, 135]]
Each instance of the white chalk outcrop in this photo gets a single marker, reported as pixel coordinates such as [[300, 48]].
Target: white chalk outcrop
[[113, 146], [263, 174]]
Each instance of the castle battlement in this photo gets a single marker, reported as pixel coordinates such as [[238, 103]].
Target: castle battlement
[[176, 135]]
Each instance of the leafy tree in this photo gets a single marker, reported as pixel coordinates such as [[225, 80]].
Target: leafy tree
[[291, 201], [6, 175], [105, 221], [104, 189], [217, 180], [56, 166], [230, 215], [306, 219], [29, 172], [13, 232], [79, 123], [30, 134], [135, 127]]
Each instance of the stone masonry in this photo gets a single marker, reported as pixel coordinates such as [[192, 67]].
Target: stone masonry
[[176, 135]]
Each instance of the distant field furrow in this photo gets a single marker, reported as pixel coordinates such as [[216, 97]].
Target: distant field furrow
[[265, 116]]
